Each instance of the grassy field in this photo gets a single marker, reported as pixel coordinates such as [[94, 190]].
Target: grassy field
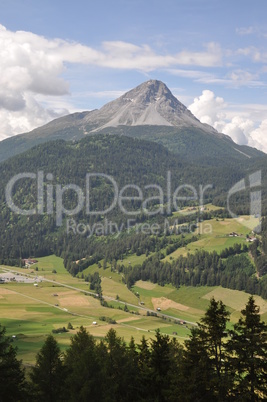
[[214, 235], [31, 312], [192, 210], [190, 303]]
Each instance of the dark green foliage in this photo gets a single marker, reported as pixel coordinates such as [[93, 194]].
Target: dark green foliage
[[140, 162], [84, 368], [12, 379], [121, 365], [59, 330], [95, 283], [215, 365], [164, 358], [192, 143], [202, 268], [209, 378], [48, 374], [195, 373], [109, 320], [249, 360]]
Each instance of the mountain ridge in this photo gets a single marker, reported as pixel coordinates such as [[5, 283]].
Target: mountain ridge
[[150, 103], [149, 108]]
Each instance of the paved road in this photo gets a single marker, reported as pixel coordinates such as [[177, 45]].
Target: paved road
[[107, 298]]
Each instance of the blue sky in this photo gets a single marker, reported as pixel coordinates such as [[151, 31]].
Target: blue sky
[[60, 56]]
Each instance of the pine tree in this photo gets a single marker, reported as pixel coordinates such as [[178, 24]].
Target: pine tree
[[204, 368], [213, 327], [118, 373], [12, 379], [84, 368], [48, 373], [132, 369], [249, 348], [196, 369], [160, 367], [174, 393]]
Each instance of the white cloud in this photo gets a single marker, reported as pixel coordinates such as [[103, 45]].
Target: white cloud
[[102, 94], [260, 31], [31, 69], [245, 30], [27, 69], [258, 137], [240, 127], [236, 78], [208, 108], [33, 115], [256, 55], [123, 55], [195, 74], [245, 78], [11, 100], [33, 92]]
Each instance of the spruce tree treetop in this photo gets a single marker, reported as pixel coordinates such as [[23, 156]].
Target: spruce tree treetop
[[249, 349]]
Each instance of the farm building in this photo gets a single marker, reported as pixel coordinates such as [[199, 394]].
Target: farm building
[[29, 261]]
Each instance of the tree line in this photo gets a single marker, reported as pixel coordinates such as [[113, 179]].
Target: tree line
[[149, 163], [232, 269], [215, 364]]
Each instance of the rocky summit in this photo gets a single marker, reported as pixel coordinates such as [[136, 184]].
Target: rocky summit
[[150, 103]]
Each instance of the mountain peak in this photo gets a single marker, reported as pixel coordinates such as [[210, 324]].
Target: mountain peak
[[150, 103], [151, 106], [153, 91]]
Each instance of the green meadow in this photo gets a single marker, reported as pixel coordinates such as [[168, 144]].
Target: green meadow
[[31, 312], [215, 235]]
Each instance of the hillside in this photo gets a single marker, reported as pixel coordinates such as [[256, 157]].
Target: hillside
[[58, 305], [126, 160], [149, 111], [142, 223], [194, 144]]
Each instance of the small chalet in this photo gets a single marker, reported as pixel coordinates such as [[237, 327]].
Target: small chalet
[[29, 261], [233, 234], [251, 239]]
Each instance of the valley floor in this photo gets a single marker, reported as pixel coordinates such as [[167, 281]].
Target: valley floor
[[43, 301]]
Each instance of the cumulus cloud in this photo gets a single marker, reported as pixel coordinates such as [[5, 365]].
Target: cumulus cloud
[[238, 129], [31, 78], [27, 69], [244, 131], [27, 63], [208, 108], [33, 115], [258, 137], [32, 66], [11, 100]]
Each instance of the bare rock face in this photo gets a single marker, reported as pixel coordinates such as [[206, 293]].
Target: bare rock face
[[150, 103]]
